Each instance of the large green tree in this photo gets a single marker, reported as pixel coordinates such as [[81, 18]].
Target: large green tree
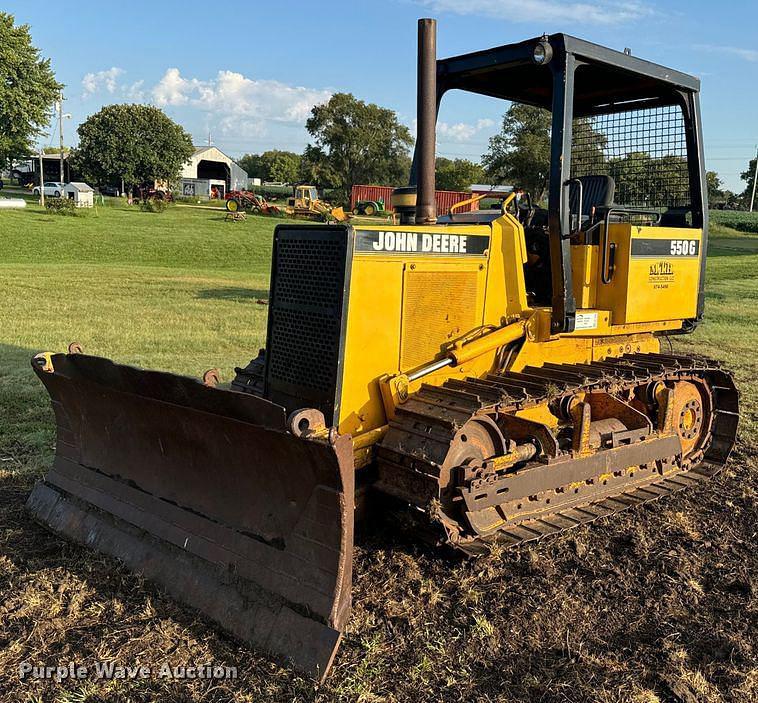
[[715, 192], [749, 177], [356, 142], [520, 153], [273, 165], [588, 157], [457, 174], [28, 90], [253, 164], [316, 168], [136, 143], [643, 180]]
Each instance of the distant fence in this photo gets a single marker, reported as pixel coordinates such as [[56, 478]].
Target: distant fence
[[445, 198]]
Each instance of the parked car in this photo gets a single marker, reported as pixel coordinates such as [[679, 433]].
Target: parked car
[[110, 190], [53, 189]]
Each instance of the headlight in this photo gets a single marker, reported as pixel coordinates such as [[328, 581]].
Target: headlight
[[542, 54]]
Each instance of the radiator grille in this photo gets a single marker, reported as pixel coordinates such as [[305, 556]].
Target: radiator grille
[[438, 307], [305, 317]]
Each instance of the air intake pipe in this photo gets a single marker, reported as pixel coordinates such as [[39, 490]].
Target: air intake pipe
[[426, 122]]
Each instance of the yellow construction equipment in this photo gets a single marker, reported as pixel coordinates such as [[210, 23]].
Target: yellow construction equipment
[[306, 203], [498, 371]]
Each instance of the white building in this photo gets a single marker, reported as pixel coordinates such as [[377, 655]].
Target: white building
[[80, 193], [211, 173]]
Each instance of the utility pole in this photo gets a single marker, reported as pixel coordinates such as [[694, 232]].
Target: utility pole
[[209, 138], [755, 178], [60, 125], [62, 116], [41, 179]]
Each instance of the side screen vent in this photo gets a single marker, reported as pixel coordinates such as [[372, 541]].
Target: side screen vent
[[438, 307], [308, 297]]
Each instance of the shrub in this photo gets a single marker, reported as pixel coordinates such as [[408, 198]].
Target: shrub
[[741, 221], [62, 206], [153, 205]]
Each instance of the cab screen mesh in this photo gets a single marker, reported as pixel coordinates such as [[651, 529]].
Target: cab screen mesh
[[643, 150]]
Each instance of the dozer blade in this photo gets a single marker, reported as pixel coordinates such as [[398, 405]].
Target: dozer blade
[[206, 492]]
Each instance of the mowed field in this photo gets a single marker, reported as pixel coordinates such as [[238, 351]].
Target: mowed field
[[658, 604]]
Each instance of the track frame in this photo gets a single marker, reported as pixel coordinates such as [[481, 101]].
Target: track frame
[[414, 457]]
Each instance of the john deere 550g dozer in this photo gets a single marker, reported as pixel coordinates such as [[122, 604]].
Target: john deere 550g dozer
[[500, 372]]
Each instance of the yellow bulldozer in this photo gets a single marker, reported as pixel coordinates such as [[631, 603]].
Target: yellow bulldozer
[[306, 203], [498, 373]]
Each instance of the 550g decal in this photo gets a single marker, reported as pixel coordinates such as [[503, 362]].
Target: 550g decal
[[662, 248], [684, 247]]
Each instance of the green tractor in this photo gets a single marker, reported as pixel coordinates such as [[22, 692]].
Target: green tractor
[[370, 208]]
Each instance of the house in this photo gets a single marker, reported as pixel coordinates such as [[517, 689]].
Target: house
[[80, 193]]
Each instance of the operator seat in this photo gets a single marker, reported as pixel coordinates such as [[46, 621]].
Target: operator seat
[[597, 192]]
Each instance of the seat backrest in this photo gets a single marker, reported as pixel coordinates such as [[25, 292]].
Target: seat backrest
[[597, 191]]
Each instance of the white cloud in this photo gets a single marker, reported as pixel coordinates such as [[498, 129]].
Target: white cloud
[[485, 123], [243, 101], [172, 89], [134, 92], [101, 80], [462, 131], [237, 103], [743, 53], [109, 81], [604, 12]]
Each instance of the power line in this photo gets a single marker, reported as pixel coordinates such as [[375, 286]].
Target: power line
[[53, 131]]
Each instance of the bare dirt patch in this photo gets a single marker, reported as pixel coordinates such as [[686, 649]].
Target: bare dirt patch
[[657, 604]]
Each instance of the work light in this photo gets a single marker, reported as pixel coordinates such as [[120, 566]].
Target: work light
[[542, 54]]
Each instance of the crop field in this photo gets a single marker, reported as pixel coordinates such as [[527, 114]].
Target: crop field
[[741, 221], [657, 605]]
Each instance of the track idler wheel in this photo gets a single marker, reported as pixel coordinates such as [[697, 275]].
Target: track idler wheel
[[478, 440], [689, 415]]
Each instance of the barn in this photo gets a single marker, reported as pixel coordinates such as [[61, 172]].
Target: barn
[[212, 166]]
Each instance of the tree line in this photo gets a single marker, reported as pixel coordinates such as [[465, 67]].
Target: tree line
[[352, 142], [355, 142]]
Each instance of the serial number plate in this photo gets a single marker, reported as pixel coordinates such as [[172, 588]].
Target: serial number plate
[[585, 321]]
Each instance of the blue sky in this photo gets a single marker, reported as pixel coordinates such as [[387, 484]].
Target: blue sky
[[249, 73]]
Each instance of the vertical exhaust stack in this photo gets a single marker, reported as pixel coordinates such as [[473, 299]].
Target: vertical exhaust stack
[[426, 122]]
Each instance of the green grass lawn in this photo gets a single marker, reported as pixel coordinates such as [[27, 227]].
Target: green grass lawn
[[730, 330], [184, 291], [180, 290]]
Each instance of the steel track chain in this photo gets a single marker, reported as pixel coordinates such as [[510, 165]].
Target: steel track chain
[[423, 429]]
